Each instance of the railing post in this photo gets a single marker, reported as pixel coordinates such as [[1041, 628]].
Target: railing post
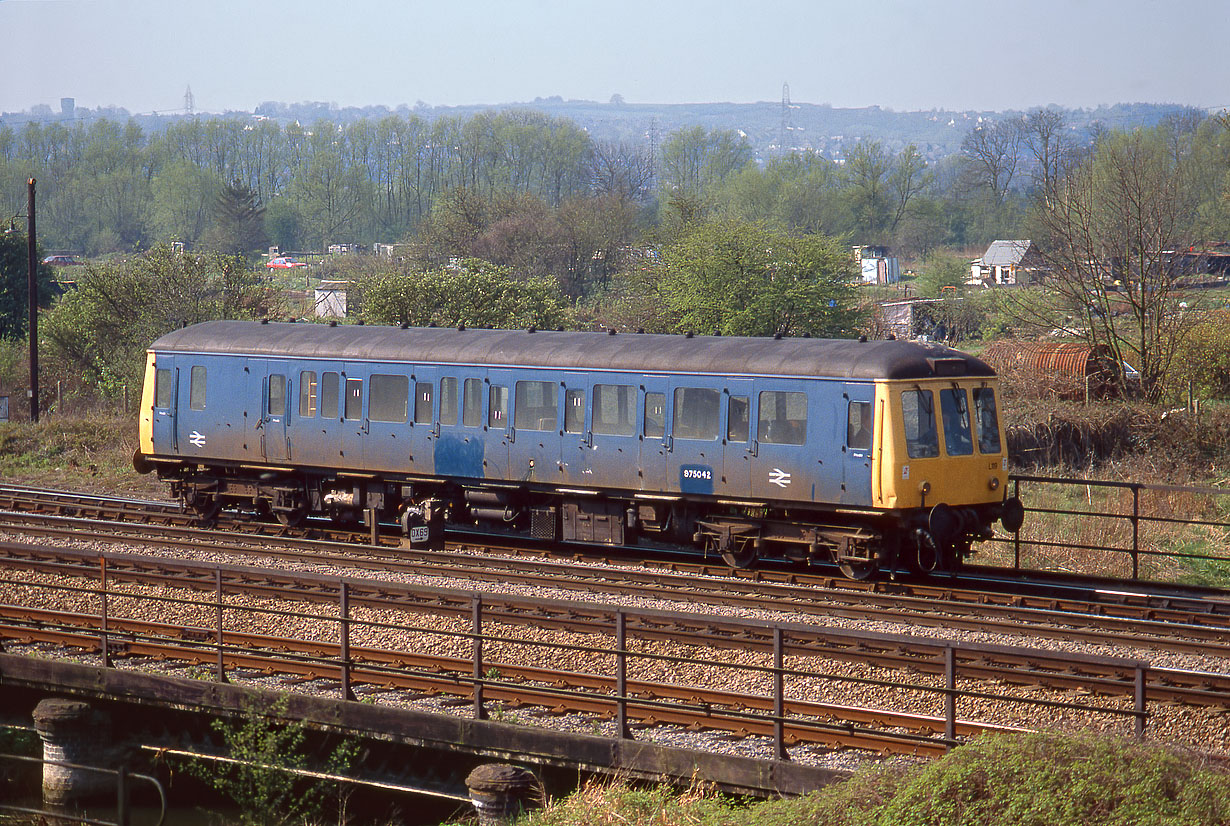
[[1140, 701], [1016, 535], [344, 617], [221, 670], [1135, 531], [121, 796], [477, 628], [950, 696], [374, 525], [779, 698], [621, 674], [103, 640]]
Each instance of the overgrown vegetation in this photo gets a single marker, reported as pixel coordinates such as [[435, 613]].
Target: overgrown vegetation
[[266, 779], [1042, 779]]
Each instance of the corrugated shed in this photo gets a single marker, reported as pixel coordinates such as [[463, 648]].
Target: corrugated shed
[[1065, 369]]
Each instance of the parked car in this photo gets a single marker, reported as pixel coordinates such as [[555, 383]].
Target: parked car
[[284, 262], [62, 261]]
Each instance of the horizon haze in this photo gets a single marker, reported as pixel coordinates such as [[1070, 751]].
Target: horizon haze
[[958, 55]]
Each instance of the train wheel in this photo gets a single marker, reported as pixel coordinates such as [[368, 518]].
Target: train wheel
[[293, 518], [858, 570], [740, 554], [206, 509]]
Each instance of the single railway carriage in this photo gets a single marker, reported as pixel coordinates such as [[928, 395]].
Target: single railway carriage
[[863, 453]]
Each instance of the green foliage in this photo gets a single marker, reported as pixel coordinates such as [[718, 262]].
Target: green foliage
[[104, 325], [1054, 781], [238, 221], [939, 270], [1042, 779], [695, 159], [15, 283], [473, 293], [1202, 361], [268, 751], [736, 278]]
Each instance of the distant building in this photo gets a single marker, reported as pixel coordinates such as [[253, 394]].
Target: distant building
[[68, 108], [876, 266], [331, 299], [1008, 263]]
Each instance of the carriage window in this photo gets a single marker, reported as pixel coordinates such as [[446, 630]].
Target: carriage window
[[614, 409], [955, 411], [354, 399], [163, 385], [537, 405], [277, 395], [424, 393], [655, 415], [328, 395], [918, 416], [782, 418], [696, 413], [308, 391], [386, 398], [196, 391], [448, 401], [987, 420], [574, 411], [497, 413], [472, 411], [858, 426], [738, 428]]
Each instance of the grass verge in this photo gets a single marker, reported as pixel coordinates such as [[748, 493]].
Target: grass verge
[[1043, 779]]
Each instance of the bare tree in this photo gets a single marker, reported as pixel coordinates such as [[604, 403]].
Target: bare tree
[[622, 170], [1111, 229], [993, 151], [1045, 133], [907, 178]]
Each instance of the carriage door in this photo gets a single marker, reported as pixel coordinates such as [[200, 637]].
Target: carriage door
[[694, 447], [459, 441], [166, 397], [387, 442], [857, 439], [614, 446], [786, 465], [275, 393], [534, 450], [737, 456], [499, 432], [575, 441], [653, 433]]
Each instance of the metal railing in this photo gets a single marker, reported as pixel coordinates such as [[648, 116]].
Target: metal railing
[[615, 672], [123, 795], [1137, 522]]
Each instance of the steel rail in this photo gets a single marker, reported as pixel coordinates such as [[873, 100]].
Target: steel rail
[[1059, 670], [1201, 632]]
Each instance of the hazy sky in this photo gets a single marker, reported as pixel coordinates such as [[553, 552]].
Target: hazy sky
[[900, 54]]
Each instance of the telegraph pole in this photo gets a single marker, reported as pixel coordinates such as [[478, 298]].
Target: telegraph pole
[[32, 291]]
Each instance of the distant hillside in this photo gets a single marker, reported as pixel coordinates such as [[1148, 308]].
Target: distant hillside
[[805, 126]]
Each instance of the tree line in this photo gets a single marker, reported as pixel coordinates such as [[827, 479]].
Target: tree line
[[109, 186], [519, 218]]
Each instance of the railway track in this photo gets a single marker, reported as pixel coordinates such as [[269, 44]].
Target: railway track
[[154, 614], [994, 663], [1188, 620]]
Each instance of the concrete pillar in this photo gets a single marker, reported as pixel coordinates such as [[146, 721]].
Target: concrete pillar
[[501, 792], [73, 732]]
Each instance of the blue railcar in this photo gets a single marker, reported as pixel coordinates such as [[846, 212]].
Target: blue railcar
[[864, 453]]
